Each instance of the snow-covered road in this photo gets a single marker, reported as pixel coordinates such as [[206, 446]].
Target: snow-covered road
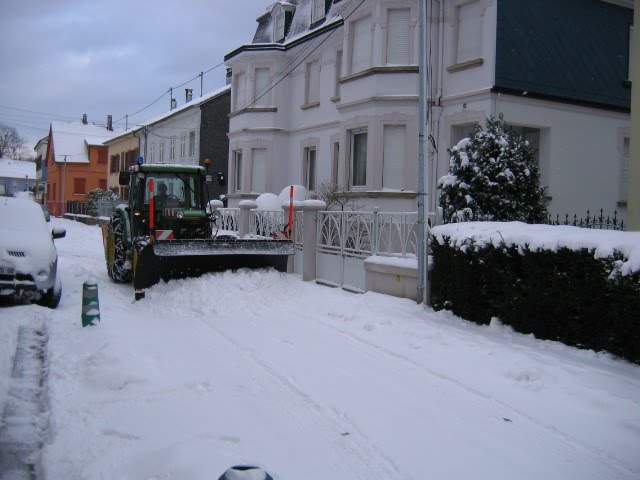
[[311, 383]]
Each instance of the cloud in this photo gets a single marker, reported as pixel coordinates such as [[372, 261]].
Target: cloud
[[71, 57]]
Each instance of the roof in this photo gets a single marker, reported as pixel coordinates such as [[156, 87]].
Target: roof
[[17, 169], [300, 27], [71, 140], [192, 104], [567, 50]]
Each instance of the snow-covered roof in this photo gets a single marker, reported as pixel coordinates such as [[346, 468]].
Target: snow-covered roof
[[17, 169], [72, 139], [300, 26], [193, 103]]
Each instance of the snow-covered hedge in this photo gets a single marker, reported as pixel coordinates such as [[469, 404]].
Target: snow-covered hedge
[[575, 285]]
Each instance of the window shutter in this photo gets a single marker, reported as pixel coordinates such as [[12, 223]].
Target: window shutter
[[624, 178], [258, 170], [359, 159], [398, 37], [238, 170], [469, 32], [393, 156], [361, 48], [313, 94], [261, 94]]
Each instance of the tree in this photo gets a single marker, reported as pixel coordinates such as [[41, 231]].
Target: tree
[[493, 175], [96, 196], [337, 197], [12, 145]]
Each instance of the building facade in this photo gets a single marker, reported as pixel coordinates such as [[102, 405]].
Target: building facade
[[76, 163], [123, 150], [327, 93]]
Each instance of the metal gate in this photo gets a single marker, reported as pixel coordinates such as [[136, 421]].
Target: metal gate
[[344, 242]]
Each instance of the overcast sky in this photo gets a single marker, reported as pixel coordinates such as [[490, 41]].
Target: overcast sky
[[63, 58]]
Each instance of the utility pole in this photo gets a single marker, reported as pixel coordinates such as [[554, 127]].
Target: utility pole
[[201, 77], [423, 238], [64, 188]]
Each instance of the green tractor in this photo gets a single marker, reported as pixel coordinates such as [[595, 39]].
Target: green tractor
[[166, 231]]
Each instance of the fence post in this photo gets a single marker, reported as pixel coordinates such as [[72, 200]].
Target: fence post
[[244, 216], [376, 238], [310, 209]]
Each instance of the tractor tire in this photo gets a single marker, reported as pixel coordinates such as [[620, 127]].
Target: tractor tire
[[120, 270]]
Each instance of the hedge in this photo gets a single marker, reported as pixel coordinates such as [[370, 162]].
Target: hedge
[[565, 295]]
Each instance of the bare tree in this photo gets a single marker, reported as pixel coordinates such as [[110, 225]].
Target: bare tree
[[337, 197], [12, 145]]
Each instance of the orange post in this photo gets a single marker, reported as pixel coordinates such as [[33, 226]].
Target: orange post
[[290, 229], [152, 206]]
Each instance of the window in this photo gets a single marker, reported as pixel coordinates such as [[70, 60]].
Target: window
[[318, 11], [468, 32], [102, 183], [240, 94], [261, 93], [183, 146], [393, 156], [172, 149], [398, 37], [313, 82], [102, 157], [115, 163], [161, 152], [361, 45], [624, 171], [192, 143], [359, 158], [79, 186], [152, 153], [258, 170], [338, 73], [237, 169], [278, 29], [310, 168]]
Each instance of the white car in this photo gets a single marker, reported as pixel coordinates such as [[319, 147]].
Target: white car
[[28, 257]]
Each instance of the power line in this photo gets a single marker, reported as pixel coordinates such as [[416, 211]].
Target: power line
[[37, 113]]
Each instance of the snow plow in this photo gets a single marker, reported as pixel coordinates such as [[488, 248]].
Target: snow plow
[[166, 231]]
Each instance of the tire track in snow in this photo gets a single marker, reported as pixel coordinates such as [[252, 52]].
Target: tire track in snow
[[24, 421], [371, 462]]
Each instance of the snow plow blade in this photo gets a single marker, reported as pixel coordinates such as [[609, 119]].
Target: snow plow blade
[[172, 259]]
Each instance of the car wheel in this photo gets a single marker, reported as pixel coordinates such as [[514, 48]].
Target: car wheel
[[51, 299], [118, 271]]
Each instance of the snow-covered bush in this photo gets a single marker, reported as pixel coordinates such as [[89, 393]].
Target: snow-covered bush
[[493, 175], [98, 195]]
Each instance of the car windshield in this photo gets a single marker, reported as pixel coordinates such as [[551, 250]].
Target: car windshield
[[182, 190]]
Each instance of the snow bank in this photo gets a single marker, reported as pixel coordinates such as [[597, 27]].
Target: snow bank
[[604, 243]]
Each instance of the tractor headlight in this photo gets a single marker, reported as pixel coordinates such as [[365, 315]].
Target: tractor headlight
[[180, 214]]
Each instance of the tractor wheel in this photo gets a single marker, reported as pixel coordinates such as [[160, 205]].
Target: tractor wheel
[[120, 269]]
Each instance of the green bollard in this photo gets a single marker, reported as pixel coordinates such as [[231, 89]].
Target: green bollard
[[245, 472], [90, 304]]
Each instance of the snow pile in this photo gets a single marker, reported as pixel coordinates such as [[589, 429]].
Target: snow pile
[[604, 243]]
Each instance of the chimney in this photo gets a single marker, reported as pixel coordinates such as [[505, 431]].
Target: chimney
[[188, 95], [110, 123], [173, 103], [84, 119], [229, 73]]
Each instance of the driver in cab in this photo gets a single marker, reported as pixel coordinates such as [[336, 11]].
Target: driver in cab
[[161, 198]]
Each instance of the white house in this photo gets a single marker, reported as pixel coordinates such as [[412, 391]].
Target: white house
[[327, 92]]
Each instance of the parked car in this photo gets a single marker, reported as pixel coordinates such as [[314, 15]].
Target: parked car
[[28, 256]]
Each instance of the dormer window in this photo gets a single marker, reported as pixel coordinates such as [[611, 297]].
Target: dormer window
[[318, 11], [278, 23]]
